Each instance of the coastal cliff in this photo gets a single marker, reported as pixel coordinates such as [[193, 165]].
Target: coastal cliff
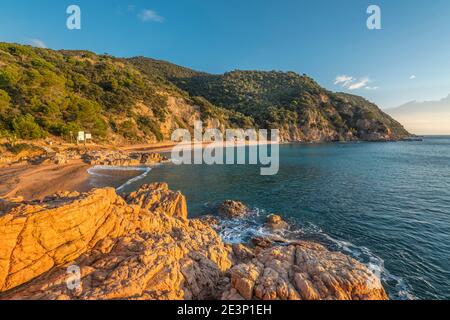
[[144, 246]]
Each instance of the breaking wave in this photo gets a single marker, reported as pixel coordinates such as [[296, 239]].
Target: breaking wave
[[94, 171], [244, 229]]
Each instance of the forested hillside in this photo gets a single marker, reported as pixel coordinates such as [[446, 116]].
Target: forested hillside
[[295, 103], [46, 93]]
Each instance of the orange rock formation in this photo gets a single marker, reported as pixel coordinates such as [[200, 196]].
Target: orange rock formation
[[144, 246]]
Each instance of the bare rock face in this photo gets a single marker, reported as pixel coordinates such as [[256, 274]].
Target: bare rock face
[[303, 271], [242, 253], [210, 220], [262, 242], [275, 222], [158, 198], [123, 251], [98, 245], [233, 209]]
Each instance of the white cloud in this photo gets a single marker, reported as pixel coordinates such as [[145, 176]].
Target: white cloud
[[352, 83], [361, 83], [343, 80], [150, 15], [38, 43], [412, 77]]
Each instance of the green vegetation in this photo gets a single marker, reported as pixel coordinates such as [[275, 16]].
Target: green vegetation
[[149, 127], [45, 92], [57, 93], [233, 118], [16, 148], [275, 99]]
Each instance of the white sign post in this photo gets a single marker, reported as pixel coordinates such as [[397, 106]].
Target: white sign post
[[81, 137]]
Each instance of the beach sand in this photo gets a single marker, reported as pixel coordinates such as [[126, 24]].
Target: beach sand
[[34, 182], [37, 181]]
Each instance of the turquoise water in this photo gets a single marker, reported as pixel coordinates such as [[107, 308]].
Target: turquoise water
[[386, 204]]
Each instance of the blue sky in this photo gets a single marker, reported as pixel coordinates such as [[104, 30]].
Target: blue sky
[[409, 59]]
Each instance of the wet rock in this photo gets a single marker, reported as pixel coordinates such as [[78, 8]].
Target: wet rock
[[210, 220], [275, 222], [233, 209], [262, 242]]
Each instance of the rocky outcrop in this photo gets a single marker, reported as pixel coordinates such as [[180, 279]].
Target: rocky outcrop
[[122, 250], [122, 159], [7, 205], [303, 271], [210, 220], [158, 198], [233, 209], [275, 222], [59, 157], [36, 154], [98, 245]]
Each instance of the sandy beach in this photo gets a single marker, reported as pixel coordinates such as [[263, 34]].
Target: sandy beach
[[37, 181]]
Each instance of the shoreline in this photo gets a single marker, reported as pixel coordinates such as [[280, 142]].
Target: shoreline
[[150, 233], [27, 174], [26, 181], [31, 182]]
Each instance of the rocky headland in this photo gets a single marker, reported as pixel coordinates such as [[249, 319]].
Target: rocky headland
[[144, 246]]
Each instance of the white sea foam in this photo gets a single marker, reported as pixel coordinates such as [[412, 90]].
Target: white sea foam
[[376, 265], [243, 229], [95, 172]]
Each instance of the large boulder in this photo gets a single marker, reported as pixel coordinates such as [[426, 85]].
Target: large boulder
[[233, 209], [158, 198], [275, 222]]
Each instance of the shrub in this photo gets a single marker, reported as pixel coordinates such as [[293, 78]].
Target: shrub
[[17, 148], [150, 127], [26, 128], [4, 100]]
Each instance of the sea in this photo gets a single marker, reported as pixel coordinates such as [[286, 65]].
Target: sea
[[385, 204]]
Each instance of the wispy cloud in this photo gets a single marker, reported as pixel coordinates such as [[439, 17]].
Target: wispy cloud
[[412, 77], [352, 83], [343, 80], [150, 16], [38, 43], [361, 83]]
